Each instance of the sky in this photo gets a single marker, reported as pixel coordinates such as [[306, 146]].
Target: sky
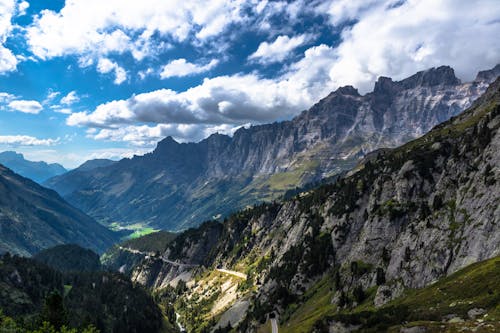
[[84, 79]]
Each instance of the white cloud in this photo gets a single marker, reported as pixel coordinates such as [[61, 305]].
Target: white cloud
[[33, 107], [148, 136], [22, 7], [70, 98], [399, 40], [26, 140], [8, 61], [6, 97], [340, 11], [145, 73], [391, 38], [105, 66], [51, 95], [180, 67], [278, 50], [63, 110], [102, 27]]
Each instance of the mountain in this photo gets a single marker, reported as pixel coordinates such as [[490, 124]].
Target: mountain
[[37, 171], [340, 256], [69, 258], [33, 218], [32, 293], [76, 178], [179, 185]]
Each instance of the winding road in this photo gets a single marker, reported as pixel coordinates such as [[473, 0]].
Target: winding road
[[234, 273]]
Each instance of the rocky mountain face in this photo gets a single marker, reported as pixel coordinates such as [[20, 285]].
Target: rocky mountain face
[[33, 218], [179, 185], [37, 171], [402, 218]]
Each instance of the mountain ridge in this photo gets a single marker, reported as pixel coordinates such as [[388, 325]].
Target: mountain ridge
[[37, 171], [221, 174]]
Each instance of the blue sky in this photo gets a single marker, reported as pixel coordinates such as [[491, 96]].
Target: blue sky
[[83, 79]]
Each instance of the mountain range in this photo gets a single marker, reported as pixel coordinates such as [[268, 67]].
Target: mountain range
[[179, 185], [352, 254], [37, 171]]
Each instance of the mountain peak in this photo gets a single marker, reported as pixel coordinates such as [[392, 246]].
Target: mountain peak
[[435, 76], [347, 90], [166, 144], [384, 84], [9, 154], [488, 75]]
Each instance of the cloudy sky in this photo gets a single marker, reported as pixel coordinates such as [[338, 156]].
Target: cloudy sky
[[83, 79]]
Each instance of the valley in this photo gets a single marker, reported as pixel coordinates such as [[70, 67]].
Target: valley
[[232, 166]]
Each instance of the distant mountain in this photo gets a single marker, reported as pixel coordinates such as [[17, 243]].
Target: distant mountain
[[76, 179], [179, 185], [349, 255], [69, 258], [33, 218], [37, 171], [94, 164]]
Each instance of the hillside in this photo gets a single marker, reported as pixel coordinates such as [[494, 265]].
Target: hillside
[[402, 219], [127, 255], [178, 185], [37, 171], [33, 218], [32, 292], [69, 258]]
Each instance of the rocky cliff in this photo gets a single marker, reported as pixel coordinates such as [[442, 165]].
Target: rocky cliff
[[179, 185], [403, 218]]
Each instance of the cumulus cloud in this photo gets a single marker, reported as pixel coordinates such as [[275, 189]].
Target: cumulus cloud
[[70, 98], [148, 136], [181, 67], [391, 38], [398, 38], [26, 140], [95, 26], [107, 66], [8, 61], [22, 7], [26, 106], [278, 50]]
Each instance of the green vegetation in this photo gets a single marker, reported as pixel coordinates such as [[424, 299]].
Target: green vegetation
[[32, 293], [476, 286], [152, 242], [69, 258], [315, 304], [156, 242]]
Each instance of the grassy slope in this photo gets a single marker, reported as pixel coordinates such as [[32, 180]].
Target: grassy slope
[[475, 286]]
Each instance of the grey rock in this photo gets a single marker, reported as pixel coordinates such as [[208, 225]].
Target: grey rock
[[181, 184]]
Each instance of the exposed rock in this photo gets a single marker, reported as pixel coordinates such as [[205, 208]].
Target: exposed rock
[[475, 312], [181, 184]]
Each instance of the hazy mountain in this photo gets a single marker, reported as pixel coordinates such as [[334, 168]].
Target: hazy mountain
[[76, 178], [37, 171], [340, 256], [179, 185], [33, 218]]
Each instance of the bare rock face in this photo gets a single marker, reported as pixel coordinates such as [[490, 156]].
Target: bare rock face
[[180, 185]]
